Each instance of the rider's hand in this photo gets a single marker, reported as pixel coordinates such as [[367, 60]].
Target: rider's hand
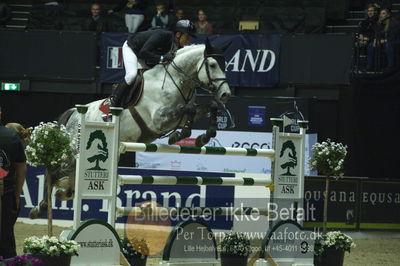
[[168, 57]]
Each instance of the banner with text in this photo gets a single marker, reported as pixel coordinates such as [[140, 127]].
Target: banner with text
[[251, 60], [233, 164]]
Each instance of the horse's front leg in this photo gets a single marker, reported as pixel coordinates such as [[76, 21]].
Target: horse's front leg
[[190, 111], [211, 132]]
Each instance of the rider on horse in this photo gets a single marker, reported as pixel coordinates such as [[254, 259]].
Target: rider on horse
[[151, 48]]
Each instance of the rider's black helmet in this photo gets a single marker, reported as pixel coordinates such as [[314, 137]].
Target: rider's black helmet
[[185, 26]]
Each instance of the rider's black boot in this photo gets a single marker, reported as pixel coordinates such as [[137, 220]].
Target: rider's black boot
[[118, 94]]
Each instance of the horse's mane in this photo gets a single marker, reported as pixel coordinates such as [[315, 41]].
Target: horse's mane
[[187, 54]]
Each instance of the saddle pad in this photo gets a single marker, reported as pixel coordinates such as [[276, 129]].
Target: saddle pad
[[134, 96]]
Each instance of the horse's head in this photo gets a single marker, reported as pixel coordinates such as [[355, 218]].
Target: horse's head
[[211, 72]]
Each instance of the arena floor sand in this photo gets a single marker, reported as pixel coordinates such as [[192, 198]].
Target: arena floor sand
[[369, 252]]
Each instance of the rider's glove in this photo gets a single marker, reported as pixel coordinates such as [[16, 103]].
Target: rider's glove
[[168, 57]]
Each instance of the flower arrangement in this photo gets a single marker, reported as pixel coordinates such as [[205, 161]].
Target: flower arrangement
[[335, 239], [23, 260], [50, 246], [134, 248], [328, 158], [236, 244], [49, 145]]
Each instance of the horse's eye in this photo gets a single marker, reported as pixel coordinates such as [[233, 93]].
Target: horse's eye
[[213, 65]]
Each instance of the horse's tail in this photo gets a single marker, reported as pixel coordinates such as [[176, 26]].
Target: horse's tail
[[64, 117]]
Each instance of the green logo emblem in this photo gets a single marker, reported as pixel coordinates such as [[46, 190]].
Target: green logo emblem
[[292, 160], [102, 152]]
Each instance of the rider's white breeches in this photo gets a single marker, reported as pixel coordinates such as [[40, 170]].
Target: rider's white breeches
[[130, 63]]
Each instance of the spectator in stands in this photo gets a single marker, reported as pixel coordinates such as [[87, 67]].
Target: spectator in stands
[[366, 28], [5, 13], [202, 25], [179, 15], [95, 22], [134, 13], [160, 20], [387, 37]]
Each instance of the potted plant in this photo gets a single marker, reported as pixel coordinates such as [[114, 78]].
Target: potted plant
[[51, 250], [235, 249], [135, 251], [23, 260], [329, 248], [50, 145], [328, 159]]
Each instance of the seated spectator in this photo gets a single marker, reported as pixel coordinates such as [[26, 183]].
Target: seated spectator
[[95, 22], [160, 20], [387, 37], [202, 25], [5, 13], [179, 15], [134, 13], [366, 28]]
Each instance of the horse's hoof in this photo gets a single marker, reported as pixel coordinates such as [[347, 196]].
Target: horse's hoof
[[61, 194], [64, 194], [70, 194], [174, 137], [199, 141], [34, 213], [42, 207]]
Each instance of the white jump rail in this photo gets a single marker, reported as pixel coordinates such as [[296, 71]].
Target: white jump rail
[[163, 148]]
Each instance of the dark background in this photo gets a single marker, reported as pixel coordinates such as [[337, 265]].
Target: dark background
[[57, 70]]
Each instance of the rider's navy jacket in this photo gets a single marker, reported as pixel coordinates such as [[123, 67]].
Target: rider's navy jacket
[[151, 45]]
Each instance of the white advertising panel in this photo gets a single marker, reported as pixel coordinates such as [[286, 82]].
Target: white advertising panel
[[236, 139]]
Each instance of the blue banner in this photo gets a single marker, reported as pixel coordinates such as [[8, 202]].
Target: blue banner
[[111, 62], [256, 116], [252, 60]]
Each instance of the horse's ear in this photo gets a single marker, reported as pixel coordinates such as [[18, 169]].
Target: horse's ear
[[209, 49], [225, 46]]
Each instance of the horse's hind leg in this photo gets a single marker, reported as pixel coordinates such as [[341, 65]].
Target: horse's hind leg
[[65, 181], [38, 211], [211, 132]]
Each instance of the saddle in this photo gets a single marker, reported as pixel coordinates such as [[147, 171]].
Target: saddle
[[135, 94], [132, 99]]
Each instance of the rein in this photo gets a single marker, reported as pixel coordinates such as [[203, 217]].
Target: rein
[[209, 87], [210, 84]]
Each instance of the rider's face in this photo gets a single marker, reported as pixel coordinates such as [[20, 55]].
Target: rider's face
[[183, 39]]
